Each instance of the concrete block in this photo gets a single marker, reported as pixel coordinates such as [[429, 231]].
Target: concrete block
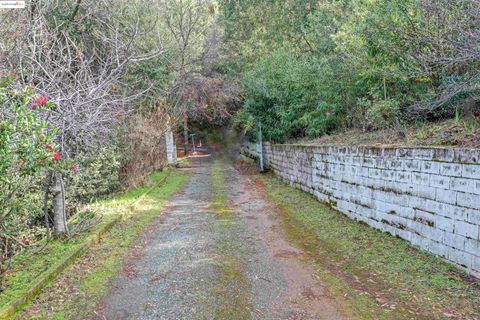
[[357, 161], [420, 178], [403, 176], [472, 246], [437, 248], [389, 152], [423, 192], [471, 171], [412, 165], [452, 211], [467, 155], [394, 164], [461, 257], [373, 151], [353, 151], [473, 216], [425, 217], [417, 240], [446, 196], [388, 175], [444, 223], [380, 163], [425, 154], [368, 162], [430, 167], [375, 173], [451, 169], [454, 240], [468, 200], [462, 184], [467, 230], [476, 263], [401, 200], [439, 181], [432, 233], [405, 153], [417, 203], [443, 154], [430, 197]]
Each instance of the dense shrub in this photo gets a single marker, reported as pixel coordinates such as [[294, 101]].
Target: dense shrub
[[28, 153], [95, 178], [313, 67], [283, 92], [26, 150], [142, 146], [379, 114]]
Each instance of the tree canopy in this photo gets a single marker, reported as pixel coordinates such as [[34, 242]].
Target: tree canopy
[[311, 67]]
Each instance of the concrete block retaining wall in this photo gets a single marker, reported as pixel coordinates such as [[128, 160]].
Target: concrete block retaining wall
[[428, 196]]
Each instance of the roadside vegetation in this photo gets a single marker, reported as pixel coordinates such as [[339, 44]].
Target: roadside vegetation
[[380, 276], [311, 68], [461, 132], [88, 91], [84, 284]]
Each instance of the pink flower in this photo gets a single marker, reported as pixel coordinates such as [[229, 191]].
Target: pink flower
[[49, 148], [39, 102], [57, 156]]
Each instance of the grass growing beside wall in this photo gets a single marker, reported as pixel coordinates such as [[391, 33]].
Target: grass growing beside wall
[[382, 276], [85, 282]]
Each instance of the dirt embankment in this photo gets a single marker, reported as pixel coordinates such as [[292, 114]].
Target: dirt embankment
[[464, 133]]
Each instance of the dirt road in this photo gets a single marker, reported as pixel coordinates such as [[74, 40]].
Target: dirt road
[[219, 253]]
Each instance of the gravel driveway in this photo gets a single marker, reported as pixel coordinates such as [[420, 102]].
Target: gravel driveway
[[197, 264]]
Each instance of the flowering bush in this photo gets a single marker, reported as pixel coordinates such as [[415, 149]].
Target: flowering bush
[[26, 149], [27, 152], [39, 102]]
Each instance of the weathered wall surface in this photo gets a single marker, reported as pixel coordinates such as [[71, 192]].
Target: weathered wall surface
[[428, 196]]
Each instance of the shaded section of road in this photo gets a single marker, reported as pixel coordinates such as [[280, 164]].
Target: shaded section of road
[[219, 259]]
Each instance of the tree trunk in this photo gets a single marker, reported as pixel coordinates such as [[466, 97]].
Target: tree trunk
[[47, 185], [185, 134], [59, 216]]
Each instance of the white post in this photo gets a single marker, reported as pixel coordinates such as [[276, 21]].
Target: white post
[[171, 148], [260, 146]]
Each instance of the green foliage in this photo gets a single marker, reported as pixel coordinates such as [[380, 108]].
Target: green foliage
[[243, 119], [26, 149], [380, 114], [27, 266], [24, 134], [283, 94], [310, 68], [27, 152], [94, 179], [340, 247]]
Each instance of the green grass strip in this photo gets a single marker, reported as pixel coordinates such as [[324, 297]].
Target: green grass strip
[[91, 282], [32, 272], [36, 287], [382, 276]]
